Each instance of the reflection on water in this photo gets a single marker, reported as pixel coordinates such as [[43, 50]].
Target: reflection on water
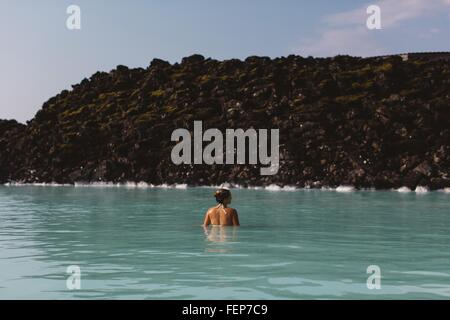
[[147, 243], [219, 236]]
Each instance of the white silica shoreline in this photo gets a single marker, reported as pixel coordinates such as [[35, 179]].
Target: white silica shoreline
[[272, 187]]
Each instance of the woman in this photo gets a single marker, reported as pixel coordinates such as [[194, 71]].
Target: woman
[[221, 215]]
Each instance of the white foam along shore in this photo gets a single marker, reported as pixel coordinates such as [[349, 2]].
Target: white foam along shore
[[345, 189], [421, 189], [272, 187], [403, 190]]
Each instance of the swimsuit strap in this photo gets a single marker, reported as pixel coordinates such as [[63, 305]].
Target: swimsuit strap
[[220, 206]]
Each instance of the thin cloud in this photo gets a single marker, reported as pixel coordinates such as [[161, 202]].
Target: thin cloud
[[346, 32], [341, 41]]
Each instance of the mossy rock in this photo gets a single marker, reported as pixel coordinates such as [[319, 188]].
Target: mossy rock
[[350, 99], [158, 93]]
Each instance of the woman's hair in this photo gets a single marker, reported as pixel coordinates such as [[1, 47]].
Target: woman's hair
[[221, 195]]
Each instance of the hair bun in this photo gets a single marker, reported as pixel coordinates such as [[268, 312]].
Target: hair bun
[[221, 194]]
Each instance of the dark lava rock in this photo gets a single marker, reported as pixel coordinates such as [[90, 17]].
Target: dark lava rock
[[373, 122]]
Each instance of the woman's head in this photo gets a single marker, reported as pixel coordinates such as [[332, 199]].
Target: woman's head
[[223, 196]]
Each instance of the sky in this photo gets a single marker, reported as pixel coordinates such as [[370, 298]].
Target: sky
[[40, 56]]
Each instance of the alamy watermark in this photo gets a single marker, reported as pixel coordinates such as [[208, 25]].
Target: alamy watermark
[[73, 21], [374, 20], [73, 282], [374, 280], [235, 147]]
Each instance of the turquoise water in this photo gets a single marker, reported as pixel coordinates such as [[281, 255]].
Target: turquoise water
[[148, 244]]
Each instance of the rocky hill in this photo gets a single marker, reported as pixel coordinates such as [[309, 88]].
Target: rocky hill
[[367, 122]]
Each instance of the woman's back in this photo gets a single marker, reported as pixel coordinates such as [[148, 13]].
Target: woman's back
[[222, 216]]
